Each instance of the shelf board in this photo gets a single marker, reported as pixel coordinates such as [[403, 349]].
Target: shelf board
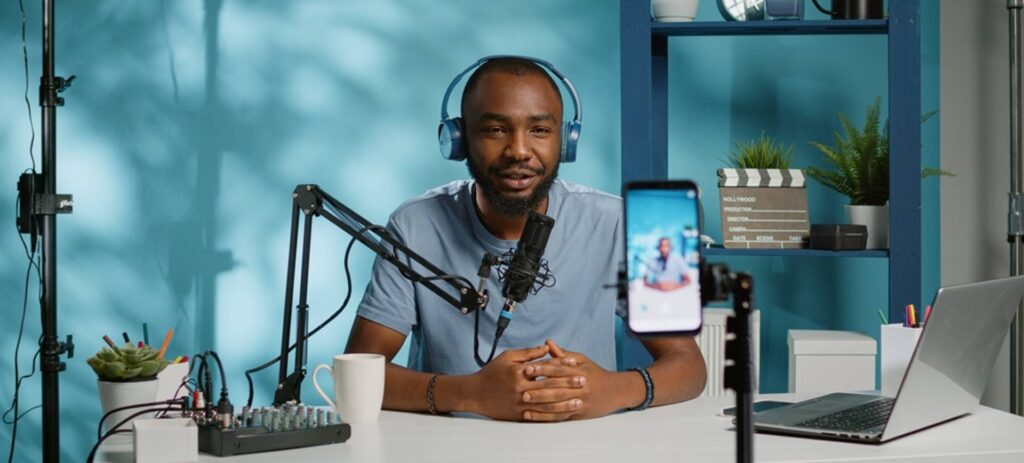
[[794, 27], [717, 250]]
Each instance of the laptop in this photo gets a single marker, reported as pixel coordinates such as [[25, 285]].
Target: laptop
[[945, 378]]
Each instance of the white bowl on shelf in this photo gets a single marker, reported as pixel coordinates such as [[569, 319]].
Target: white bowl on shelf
[[674, 10]]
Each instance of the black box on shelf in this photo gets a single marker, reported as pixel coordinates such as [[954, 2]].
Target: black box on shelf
[[838, 237]]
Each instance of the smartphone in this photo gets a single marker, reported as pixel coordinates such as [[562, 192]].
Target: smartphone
[[662, 258], [758, 407]]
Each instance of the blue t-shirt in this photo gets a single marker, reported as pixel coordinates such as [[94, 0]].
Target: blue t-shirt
[[578, 312], [671, 270]]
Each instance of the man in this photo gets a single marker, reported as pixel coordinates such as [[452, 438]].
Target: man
[[666, 271], [512, 121]]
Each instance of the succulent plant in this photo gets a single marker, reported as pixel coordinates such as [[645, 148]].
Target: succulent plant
[[760, 153], [127, 363]]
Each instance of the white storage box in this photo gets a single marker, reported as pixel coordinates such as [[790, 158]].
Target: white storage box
[[830, 361], [166, 440]]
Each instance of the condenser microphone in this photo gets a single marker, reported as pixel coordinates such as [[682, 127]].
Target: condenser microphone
[[525, 265]]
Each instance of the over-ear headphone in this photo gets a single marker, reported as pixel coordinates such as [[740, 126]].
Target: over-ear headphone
[[450, 134]]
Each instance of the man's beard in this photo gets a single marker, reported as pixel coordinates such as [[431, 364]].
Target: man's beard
[[504, 205]]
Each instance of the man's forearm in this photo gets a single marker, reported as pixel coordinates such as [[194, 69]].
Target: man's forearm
[[406, 390], [629, 390], [677, 376], [673, 377]]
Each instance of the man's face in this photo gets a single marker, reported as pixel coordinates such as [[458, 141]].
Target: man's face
[[664, 247], [513, 133]]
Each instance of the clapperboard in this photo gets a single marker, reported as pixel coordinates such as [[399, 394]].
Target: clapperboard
[[763, 208]]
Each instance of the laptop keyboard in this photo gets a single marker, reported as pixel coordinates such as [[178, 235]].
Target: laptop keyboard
[[854, 419]]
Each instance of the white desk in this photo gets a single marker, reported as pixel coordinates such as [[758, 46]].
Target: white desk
[[687, 432]]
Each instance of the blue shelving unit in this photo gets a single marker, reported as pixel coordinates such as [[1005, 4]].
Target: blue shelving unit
[[707, 28], [645, 87], [720, 251]]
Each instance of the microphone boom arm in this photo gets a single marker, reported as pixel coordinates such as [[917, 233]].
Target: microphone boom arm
[[311, 200]]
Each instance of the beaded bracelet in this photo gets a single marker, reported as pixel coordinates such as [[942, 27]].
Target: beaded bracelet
[[648, 385], [430, 394]]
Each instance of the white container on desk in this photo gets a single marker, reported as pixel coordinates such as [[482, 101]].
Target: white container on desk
[[898, 344], [165, 440], [829, 361], [170, 380]]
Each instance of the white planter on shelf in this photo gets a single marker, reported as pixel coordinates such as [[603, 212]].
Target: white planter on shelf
[[121, 394], [674, 10], [876, 219]]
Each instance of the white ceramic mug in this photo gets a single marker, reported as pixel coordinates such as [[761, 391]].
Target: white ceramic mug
[[358, 386]]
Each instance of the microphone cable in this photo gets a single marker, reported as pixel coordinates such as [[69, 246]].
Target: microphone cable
[[32, 260], [476, 342], [543, 279]]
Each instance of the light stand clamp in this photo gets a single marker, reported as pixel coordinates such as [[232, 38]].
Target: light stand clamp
[[51, 88]]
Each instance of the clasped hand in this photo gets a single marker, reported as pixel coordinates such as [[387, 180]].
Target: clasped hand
[[521, 385]]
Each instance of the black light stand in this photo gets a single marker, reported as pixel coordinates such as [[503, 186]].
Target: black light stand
[[37, 215], [311, 201], [717, 283], [1015, 214]]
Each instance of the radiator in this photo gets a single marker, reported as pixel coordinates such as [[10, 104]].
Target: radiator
[[712, 344]]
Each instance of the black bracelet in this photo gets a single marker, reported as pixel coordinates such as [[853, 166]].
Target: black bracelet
[[430, 394], [648, 385]]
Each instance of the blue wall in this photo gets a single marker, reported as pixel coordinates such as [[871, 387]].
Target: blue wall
[[191, 122]]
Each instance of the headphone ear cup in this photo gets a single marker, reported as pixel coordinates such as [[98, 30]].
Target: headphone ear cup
[[570, 139], [450, 139]]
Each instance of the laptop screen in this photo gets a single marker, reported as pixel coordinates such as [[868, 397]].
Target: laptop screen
[[955, 355]]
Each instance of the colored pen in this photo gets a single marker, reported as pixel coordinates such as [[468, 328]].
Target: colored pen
[[167, 341], [881, 315], [913, 315], [145, 333], [127, 340], [110, 342], [927, 313], [140, 344], [184, 359]]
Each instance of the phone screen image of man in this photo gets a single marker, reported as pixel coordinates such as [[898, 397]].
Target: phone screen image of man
[[662, 236]]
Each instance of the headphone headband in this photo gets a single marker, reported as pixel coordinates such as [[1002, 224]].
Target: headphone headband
[[578, 116]]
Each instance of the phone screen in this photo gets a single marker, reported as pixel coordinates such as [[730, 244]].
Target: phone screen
[[663, 257]]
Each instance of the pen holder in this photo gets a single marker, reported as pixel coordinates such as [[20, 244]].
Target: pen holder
[[170, 380], [898, 344]]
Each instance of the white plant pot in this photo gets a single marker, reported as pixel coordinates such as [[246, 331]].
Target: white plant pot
[[876, 219], [121, 394], [674, 10]]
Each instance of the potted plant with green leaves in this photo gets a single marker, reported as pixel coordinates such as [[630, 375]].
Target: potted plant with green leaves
[[127, 375], [763, 201], [859, 161]]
